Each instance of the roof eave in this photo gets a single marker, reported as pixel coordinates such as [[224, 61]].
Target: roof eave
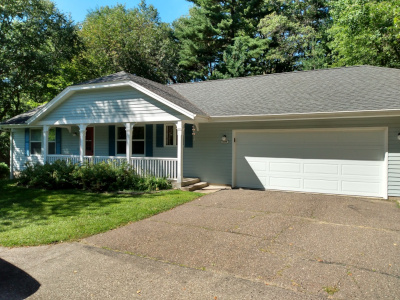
[[307, 116]]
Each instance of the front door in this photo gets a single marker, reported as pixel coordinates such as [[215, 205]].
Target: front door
[[89, 141]]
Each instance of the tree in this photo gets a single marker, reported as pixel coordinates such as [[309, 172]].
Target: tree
[[366, 32], [35, 40], [132, 40], [213, 32], [295, 34]]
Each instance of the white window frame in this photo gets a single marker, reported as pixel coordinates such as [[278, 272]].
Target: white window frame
[[165, 135], [139, 140], [36, 141], [119, 140], [132, 140]]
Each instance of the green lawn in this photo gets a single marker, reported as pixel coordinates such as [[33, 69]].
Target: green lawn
[[35, 217]]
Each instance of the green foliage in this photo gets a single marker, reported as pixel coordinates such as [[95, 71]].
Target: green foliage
[[99, 177], [132, 40], [366, 32], [4, 147], [58, 175], [35, 40], [222, 39], [4, 171], [213, 34]]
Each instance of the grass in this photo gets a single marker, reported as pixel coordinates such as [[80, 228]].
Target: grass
[[35, 217]]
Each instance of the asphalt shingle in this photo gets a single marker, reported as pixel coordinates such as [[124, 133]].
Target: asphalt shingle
[[360, 88]]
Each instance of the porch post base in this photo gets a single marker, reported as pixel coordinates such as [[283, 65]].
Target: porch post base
[[176, 184]]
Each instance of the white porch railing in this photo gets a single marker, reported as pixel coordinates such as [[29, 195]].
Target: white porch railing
[[73, 159], [159, 167], [114, 160], [155, 166]]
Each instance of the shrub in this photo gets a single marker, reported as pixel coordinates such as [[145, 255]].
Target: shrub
[[58, 175], [99, 177], [4, 171]]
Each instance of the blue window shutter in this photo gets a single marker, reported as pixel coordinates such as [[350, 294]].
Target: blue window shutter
[[111, 140], [188, 136], [160, 135], [149, 140], [58, 140], [27, 131]]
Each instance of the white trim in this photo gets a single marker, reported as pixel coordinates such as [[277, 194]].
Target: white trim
[[11, 154], [179, 149], [307, 116], [103, 121], [386, 147], [385, 182], [174, 143], [72, 89]]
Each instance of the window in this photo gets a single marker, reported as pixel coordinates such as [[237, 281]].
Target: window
[[170, 135], [121, 140], [36, 141], [52, 141], [138, 140]]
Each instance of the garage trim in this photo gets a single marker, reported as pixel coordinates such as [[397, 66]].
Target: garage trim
[[384, 129]]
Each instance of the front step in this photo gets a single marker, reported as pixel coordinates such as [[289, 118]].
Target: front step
[[189, 181], [194, 187]]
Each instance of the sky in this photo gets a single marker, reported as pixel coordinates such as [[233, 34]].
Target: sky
[[169, 10]]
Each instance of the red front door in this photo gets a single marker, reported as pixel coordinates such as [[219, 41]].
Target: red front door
[[89, 141]]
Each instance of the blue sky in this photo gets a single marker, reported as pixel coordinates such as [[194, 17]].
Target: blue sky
[[169, 10]]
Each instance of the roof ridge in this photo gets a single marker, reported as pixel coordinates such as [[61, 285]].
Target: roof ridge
[[277, 74]]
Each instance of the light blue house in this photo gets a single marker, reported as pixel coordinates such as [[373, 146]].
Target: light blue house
[[330, 131]]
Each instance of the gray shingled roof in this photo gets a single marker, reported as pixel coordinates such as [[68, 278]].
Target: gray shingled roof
[[348, 89], [22, 118], [161, 90], [360, 88]]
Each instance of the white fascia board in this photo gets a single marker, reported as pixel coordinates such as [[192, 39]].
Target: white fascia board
[[307, 116], [60, 97], [109, 121]]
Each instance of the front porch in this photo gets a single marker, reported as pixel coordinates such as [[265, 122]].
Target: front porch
[[150, 149]]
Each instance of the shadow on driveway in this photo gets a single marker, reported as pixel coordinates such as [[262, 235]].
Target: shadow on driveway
[[15, 284]]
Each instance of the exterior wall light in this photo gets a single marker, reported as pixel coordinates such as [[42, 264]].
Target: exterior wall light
[[398, 136], [224, 139]]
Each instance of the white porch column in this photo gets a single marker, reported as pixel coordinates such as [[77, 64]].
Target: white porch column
[[128, 129], [82, 142], [11, 154], [179, 156], [45, 143]]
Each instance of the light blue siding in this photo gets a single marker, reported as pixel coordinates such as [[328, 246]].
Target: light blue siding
[[101, 141], [69, 142], [20, 158], [166, 151], [111, 105], [211, 160]]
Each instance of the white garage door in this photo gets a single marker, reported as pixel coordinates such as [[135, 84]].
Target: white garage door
[[337, 161]]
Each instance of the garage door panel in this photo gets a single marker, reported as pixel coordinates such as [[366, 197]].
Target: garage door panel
[[284, 167], [284, 182], [361, 169], [340, 162], [329, 186], [320, 168], [356, 187]]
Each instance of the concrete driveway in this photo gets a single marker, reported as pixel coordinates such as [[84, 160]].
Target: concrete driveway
[[236, 244]]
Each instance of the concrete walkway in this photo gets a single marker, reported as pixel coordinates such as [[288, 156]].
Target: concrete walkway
[[236, 244]]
